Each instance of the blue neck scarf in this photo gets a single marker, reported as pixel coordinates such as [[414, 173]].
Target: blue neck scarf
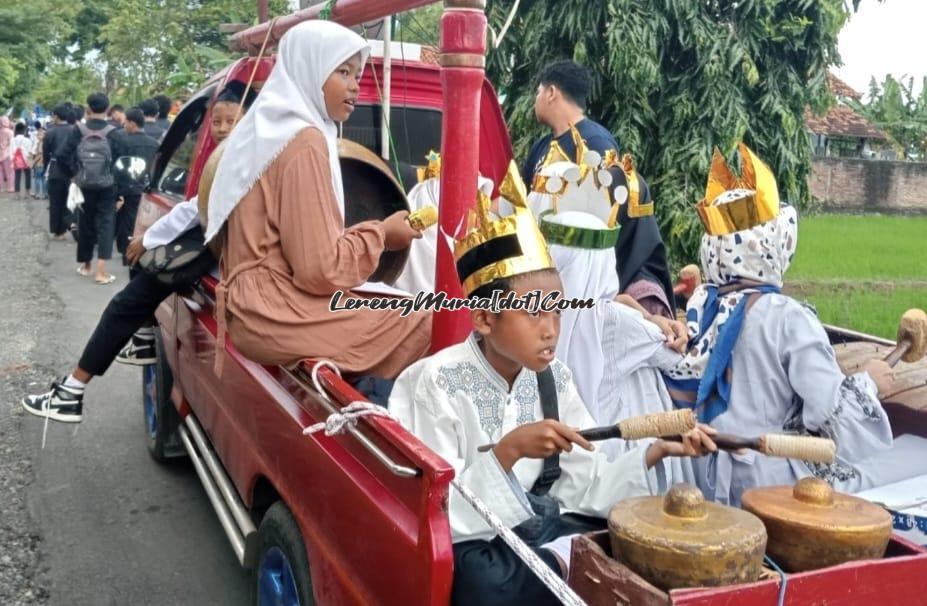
[[711, 394]]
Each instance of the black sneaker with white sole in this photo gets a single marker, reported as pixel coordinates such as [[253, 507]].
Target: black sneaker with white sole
[[138, 353], [60, 403]]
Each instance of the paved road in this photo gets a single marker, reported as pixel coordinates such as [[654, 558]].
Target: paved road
[[115, 527]]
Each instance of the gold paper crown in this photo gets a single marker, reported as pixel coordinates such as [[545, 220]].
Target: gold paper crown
[[636, 210], [556, 154], [432, 169], [584, 189], [501, 247], [754, 197]]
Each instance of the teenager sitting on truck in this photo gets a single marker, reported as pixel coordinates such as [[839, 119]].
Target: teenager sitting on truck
[[135, 304], [286, 251], [504, 385]]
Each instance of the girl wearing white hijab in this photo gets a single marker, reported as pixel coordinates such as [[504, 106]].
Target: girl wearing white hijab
[[279, 197], [614, 353]]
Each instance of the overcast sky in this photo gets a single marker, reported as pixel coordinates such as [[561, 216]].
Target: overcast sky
[[881, 38]]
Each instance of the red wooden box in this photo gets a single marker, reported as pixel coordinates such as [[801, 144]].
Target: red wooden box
[[900, 578]]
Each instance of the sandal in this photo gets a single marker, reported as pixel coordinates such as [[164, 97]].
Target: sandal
[[83, 271], [108, 279]]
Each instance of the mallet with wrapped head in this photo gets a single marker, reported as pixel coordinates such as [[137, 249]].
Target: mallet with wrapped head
[[656, 425], [912, 338], [423, 218], [803, 448]]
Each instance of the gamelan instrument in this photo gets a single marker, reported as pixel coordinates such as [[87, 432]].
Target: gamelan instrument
[[912, 338], [681, 540], [655, 425], [423, 218], [811, 526]]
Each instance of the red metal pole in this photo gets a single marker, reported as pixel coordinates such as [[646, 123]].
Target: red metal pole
[[345, 12], [262, 11], [463, 50]]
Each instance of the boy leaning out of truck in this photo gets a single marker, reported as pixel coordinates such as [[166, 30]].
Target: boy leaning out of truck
[[494, 387]]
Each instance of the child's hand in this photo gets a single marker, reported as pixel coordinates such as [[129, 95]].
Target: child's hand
[[695, 443], [881, 373], [398, 234], [676, 332], [537, 441], [134, 250]]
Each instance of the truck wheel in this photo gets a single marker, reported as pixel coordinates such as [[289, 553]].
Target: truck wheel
[[282, 576], [161, 418]]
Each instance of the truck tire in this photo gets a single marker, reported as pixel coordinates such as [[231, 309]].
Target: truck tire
[[160, 416], [282, 575]]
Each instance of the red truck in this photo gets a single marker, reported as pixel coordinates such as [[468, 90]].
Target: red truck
[[359, 517]]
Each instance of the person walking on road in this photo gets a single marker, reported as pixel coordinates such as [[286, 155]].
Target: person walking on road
[[96, 145], [6, 155]]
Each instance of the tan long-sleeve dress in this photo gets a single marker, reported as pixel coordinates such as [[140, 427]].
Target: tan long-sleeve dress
[[286, 253]]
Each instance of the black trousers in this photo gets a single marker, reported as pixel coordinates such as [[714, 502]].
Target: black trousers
[[97, 224], [128, 311], [489, 573], [26, 173], [58, 206], [125, 220]]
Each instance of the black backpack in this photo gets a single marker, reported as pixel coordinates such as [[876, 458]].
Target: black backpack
[[94, 159]]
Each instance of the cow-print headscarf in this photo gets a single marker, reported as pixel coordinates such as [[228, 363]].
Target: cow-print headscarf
[[761, 254]]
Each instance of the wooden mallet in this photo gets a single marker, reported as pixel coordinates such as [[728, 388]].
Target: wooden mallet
[[912, 338], [655, 425], [689, 278], [785, 446]]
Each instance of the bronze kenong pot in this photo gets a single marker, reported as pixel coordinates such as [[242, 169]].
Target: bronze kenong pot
[[811, 526], [681, 541]]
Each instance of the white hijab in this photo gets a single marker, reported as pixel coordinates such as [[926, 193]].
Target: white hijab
[[586, 274], [290, 100]]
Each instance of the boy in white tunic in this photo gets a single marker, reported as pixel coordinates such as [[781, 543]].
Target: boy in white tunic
[[487, 390], [760, 362], [614, 353]]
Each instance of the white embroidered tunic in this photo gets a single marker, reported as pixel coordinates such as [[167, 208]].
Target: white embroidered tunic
[[454, 401], [785, 377]]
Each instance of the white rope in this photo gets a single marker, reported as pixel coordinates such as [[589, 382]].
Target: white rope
[[336, 423], [497, 40], [551, 579]]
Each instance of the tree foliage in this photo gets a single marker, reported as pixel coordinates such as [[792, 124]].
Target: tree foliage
[[672, 79], [130, 48], [27, 31], [893, 107]]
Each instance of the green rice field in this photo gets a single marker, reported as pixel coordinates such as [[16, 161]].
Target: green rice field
[[861, 271]]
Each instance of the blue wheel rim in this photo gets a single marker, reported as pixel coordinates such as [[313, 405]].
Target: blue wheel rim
[[276, 585], [150, 378]]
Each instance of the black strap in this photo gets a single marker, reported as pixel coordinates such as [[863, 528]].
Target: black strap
[[550, 473]]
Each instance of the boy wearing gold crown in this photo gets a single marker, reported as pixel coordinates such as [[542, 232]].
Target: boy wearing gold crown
[[640, 254], [491, 388], [760, 362], [614, 353]]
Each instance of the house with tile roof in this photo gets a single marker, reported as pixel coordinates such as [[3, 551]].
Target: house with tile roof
[[844, 133]]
